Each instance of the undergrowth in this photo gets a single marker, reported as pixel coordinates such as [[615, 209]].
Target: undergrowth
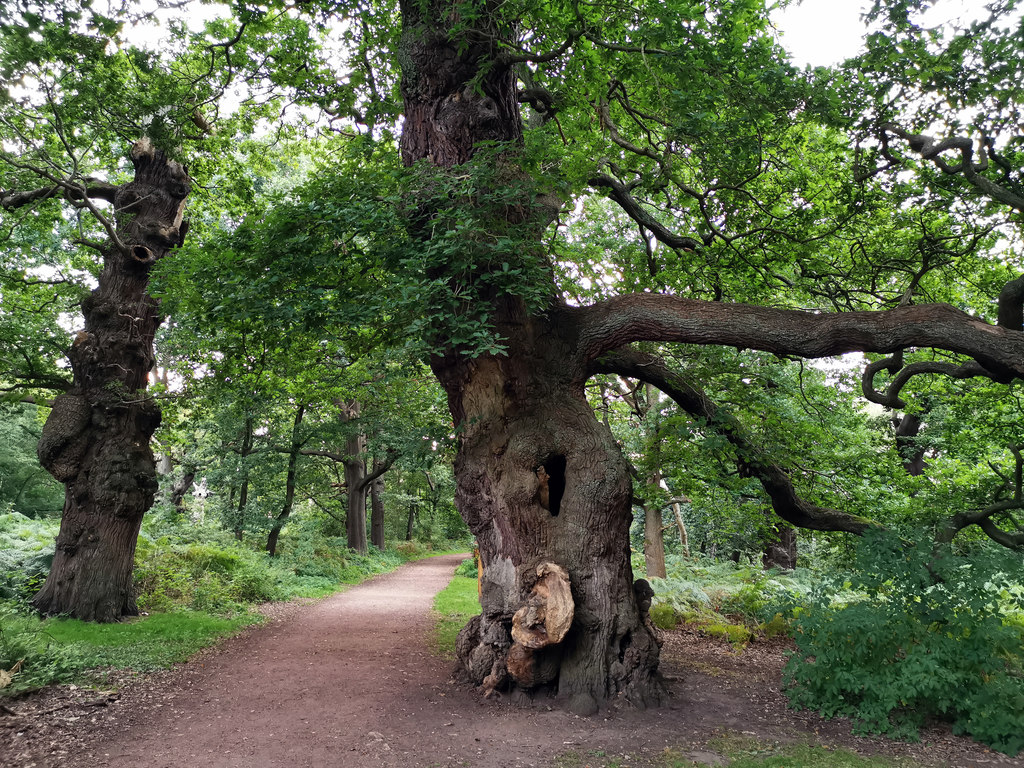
[[930, 635], [35, 652], [195, 582]]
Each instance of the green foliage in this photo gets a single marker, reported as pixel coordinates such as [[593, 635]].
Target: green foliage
[[467, 568], [26, 552], [749, 753], [699, 587], [664, 616], [24, 484], [736, 634], [931, 634]]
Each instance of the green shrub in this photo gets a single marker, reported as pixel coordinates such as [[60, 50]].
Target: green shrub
[[664, 616], [736, 634], [930, 636], [27, 653], [467, 568]]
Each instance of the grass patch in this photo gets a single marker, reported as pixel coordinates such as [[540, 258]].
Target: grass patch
[[454, 605], [737, 753], [752, 753], [70, 651]]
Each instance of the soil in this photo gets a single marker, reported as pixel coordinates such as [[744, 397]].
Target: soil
[[352, 681]]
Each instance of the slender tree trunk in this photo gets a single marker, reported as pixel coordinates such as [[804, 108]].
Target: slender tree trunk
[[684, 538], [243, 501], [97, 438], [289, 483], [248, 441], [413, 509], [377, 511], [654, 543]]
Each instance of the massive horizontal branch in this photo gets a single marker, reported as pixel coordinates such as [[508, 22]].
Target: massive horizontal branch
[[92, 189], [751, 461], [614, 322]]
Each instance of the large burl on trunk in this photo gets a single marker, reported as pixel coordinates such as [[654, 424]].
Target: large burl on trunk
[[96, 439], [547, 493]]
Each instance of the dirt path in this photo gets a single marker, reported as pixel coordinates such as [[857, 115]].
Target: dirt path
[[350, 682]]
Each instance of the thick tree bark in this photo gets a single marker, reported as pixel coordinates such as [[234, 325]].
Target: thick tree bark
[[97, 438], [609, 324], [540, 482]]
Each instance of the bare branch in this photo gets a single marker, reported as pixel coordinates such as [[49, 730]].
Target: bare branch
[[617, 321], [890, 398], [625, 48], [932, 149], [524, 57], [620, 194], [93, 188]]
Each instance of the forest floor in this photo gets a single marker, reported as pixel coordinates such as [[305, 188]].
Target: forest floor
[[351, 681]]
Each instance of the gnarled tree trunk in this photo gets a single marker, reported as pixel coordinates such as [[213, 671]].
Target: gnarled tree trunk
[[540, 482], [96, 439]]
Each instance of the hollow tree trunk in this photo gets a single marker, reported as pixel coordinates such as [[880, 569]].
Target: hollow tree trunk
[[97, 438], [540, 482]]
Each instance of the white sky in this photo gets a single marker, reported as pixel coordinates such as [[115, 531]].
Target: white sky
[[821, 32]]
